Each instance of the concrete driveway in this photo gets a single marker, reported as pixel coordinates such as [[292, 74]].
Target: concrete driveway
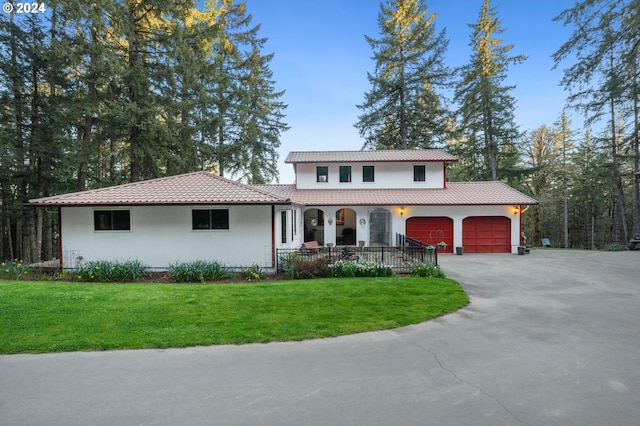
[[550, 338]]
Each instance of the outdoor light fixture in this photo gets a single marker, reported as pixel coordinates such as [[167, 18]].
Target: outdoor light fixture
[[516, 210], [330, 221], [401, 211]]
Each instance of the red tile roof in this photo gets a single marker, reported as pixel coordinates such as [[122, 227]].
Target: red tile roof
[[191, 188], [456, 193], [206, 188], [416, 155]]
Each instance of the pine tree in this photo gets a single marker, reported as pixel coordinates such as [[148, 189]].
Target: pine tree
[[262, 118], [404, 108], [486, 107], [565, 144], [603, 83], [541, 157]]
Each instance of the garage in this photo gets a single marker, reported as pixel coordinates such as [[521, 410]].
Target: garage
[[431, 230], [486, 234]]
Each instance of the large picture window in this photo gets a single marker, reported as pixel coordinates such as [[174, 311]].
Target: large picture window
[[111, 220], [210, 219]]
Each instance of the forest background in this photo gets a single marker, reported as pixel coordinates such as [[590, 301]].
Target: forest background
[[95, 94]]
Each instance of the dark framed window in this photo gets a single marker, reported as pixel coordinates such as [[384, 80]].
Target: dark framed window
[[283, 227], [111, 220], [322, 174], [294, 223], [419, 174], [210, 219], [345, 173], [368, 174]]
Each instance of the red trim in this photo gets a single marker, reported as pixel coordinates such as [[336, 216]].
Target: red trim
[[444, 173], [273, 236], [60, 237]]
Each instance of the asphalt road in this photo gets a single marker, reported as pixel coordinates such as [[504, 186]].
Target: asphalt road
[[550, 338]]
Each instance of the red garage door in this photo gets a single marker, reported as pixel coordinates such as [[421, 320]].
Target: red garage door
[[486, 234], [431, 230]]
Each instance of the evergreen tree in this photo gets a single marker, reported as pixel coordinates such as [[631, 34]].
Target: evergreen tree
[[540, 155], [489, 133], [262, 115], [404, 108], [100, 93], [603, 84], [591, 195], [565, 144]]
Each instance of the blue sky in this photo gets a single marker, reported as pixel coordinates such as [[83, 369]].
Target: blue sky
[[321, 61]]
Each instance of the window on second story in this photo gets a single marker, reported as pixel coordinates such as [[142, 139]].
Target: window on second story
[[368, 174], [419, 174], [345, 173], [322, 174]]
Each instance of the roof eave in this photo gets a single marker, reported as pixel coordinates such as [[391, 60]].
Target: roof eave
[[145, 204]]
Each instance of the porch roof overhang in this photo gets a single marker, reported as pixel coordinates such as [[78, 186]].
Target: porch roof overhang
[[455, 194]]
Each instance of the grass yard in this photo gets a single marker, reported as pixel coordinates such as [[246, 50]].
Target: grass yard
[[38, 317]]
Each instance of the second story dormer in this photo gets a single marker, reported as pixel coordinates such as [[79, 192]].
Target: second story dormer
[[389, 169]]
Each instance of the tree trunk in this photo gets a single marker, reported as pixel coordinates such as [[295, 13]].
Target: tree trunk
[[621, 233], [635, 194], [135, 133]]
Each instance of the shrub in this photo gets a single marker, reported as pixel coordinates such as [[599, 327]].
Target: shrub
[[315, 268], [253, 273], [288, 262], [199, 271], [106, 271], [426, 270], [14, 269], [349, 269], [615, 247]]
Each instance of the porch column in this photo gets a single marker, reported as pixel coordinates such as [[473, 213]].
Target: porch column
[[457, 231], [329, 226]]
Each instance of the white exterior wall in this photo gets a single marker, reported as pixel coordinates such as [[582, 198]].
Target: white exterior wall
[[387, 176], [162, 235], [398, 222]]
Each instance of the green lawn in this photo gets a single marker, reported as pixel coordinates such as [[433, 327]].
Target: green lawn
[[55, 317]]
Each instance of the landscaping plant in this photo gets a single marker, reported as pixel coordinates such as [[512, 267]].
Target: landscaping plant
[[426, 270], [106, 271], [199, 271], [14, 270], [350, 269], [310, 268], [253, 273]]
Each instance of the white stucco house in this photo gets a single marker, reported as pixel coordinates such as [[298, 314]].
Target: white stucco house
[[339, 198]]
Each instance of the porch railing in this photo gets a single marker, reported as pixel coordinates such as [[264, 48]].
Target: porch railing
[[399, 257]]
